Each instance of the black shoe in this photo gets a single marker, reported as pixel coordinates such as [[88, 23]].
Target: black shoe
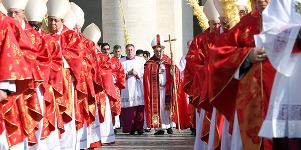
[[169, 131], [160, 132], [193, 131], [140, 131], [115, 131], [132, 132], [147, 130]]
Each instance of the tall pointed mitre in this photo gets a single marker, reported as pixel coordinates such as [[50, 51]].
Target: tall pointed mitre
[[210, 11], [157, 42], [246, 3], [70, 20], [19, 4], [58, 8], [35, 10], [2, 9], [241, 2], [81, 23], [92, 32], [79, 13], [227, 9], [218, 6]]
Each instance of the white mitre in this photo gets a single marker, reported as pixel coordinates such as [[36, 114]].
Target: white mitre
[[35, 10], [19, 4], [219, 8], [92, 32], [241, 2], [2, 9], [79, 13], [70, 20], [58, 8], [157, 42], [210, 11]]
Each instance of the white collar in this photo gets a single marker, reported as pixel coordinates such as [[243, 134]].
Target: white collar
[[23, 24]]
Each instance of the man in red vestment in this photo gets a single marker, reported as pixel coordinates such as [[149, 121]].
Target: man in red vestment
[[104, 90], [74, 86], [14, 79], [160, 105], [29, 121], [118, 77], [196, 71], [234, 57], [52, 88]]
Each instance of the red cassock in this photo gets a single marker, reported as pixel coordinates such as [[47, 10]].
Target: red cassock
[[152, 94], [119, 75], [250, 95]]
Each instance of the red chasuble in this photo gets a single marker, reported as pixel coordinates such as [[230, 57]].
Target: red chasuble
[[43, 61], [104, 78], [152, 93], [196, 70], [18, 114], [71, 48], [250, 95], [53, 87], [13, 66], [119, 75]]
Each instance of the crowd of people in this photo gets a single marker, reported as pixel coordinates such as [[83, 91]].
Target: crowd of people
[[236, 88]]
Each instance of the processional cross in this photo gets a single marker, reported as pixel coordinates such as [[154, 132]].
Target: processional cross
[[174, 89]]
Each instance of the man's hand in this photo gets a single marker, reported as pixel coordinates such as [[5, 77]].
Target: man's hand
[[3, 95], [257, 55], [133, 72]]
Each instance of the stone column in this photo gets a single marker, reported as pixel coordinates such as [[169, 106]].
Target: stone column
[[140, 20]]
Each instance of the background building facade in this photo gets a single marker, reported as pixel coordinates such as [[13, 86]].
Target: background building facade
[[144, 19]]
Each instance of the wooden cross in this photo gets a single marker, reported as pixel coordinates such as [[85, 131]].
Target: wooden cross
[[174, 88], [169, 40]]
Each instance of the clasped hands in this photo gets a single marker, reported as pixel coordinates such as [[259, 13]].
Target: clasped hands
[[257, 55], [134, 73]]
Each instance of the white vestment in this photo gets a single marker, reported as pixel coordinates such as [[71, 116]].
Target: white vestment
[[165, 114], [106, 128], [281, 25], [133, 95], [198, 143]]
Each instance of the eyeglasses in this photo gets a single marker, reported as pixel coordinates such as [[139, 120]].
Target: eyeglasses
[[10, 13], [242, 12], [106, 49]]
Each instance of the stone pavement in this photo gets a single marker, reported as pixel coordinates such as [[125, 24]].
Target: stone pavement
[[148, 141]]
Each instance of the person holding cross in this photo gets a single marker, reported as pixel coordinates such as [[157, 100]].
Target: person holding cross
[[160, 99]]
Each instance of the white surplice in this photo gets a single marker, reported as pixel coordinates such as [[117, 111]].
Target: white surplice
[[133, 95], [281, 25]]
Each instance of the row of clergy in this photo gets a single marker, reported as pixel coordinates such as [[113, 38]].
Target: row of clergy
[[57, 88], [230, 76]]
